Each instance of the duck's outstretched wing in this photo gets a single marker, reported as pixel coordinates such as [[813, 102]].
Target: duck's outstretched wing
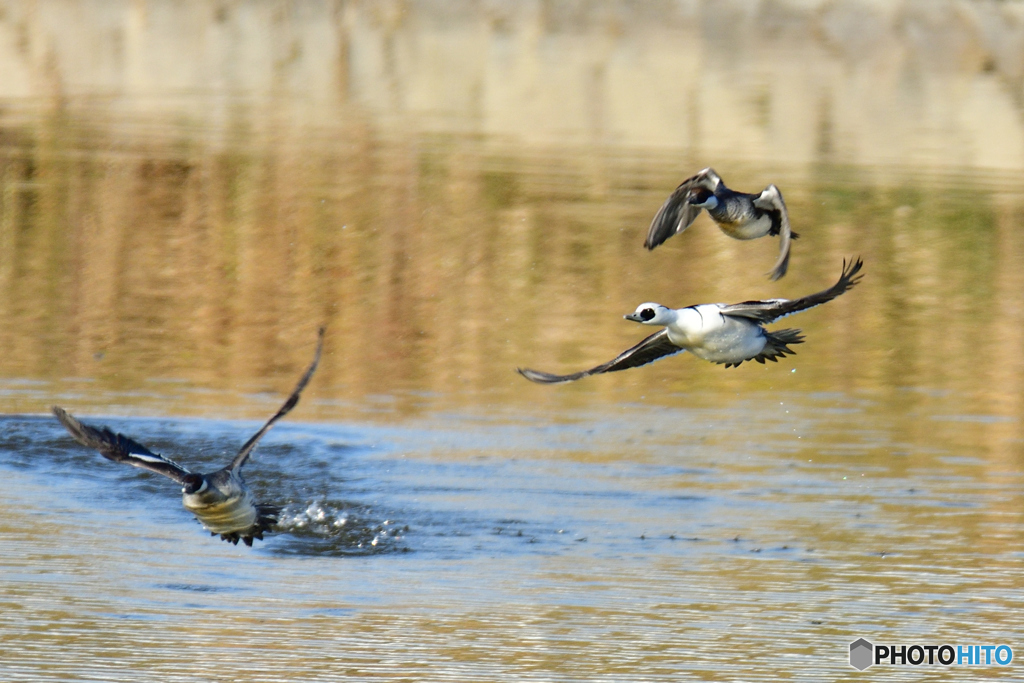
[[292, 401], [677, 213], [770, 200], [119, 448], [770, 310], [658, 345]]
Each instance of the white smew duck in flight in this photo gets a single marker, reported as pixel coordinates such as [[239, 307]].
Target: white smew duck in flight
[[728, 334]]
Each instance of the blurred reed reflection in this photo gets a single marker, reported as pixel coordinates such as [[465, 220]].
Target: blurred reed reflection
[[442, 262], [176, 213]]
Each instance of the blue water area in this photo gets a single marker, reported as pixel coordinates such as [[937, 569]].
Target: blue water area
[[636, 541]]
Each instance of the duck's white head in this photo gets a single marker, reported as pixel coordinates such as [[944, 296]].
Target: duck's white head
[[652, 314]]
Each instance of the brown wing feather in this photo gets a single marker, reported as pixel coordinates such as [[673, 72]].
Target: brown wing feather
[[677, 214], [771, 310], [292, 401], [118, 447], [656, 346], [771, 200]]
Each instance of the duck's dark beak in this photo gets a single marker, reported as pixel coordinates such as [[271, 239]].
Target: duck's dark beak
[[634, 317]]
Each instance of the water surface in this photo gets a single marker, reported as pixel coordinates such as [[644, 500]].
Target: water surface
[[456, 191]]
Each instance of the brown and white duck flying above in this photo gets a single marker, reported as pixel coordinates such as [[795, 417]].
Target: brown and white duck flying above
[[740, 215]]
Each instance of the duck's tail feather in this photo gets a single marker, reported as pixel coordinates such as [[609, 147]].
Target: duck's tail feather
[[777, 345]]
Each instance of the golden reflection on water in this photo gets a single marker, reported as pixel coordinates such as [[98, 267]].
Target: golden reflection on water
[[197, 232], [439, 264]]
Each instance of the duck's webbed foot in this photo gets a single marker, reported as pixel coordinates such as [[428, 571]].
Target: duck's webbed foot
[[266, 520]]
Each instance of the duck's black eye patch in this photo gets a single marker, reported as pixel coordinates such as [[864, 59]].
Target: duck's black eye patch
[[647, 313]]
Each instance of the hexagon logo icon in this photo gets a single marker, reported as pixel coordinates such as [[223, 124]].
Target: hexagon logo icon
[[861, 654]]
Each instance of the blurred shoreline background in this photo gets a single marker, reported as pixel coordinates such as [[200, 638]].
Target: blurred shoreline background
[[784, 82], [459, 188]]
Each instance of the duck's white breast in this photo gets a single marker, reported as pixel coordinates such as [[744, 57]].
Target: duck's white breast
[[221, 515], [706, 333], [759, 227]]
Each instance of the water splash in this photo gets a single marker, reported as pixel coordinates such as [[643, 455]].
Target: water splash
[[321, 527]]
